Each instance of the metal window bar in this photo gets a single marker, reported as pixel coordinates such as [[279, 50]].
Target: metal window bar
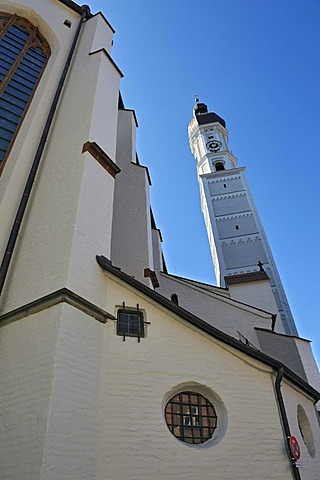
[[191, 417], [131, 324], [244, 340]]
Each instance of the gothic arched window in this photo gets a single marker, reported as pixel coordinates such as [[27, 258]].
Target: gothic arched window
[[23, 56]]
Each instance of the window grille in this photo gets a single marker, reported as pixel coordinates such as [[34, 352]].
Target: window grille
[[130, 323], [191, 417], [23, 56]]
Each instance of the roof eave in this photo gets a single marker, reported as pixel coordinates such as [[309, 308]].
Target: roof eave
[[207, 328]]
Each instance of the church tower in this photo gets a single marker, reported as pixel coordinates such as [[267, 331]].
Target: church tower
[[239, 246]]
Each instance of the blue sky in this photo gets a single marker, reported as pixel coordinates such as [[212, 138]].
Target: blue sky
[[256, 63]]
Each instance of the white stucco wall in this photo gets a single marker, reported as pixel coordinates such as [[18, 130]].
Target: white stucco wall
[[50, 381], [49, 17], [80, 403], [131, 248], [136, 378], [292, 398], [309, 363], [70, 449], [223, 313], [70, 189], [257, 294], [28, 349]]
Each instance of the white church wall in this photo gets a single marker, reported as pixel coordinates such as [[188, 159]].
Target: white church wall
[[282, 348], [156, 250], [103, 33], [49, 18], [28, 349], [71, 442], [50, 383], [131, 231], [103, 122], [241, 255], [225, 184], [243, 224], [226, 315], [126, 138], [258, 294], [310, 456], [309, 363], [136, 380], [233, 203], [57, 208], [91, 232]]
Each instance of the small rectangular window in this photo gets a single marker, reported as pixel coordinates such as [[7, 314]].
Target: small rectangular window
[[130, 323]]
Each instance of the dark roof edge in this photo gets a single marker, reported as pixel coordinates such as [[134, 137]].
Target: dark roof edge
[[74, 6], [146, 170], [104, 18], [205, 327], [197, 281], [238, 302], [282, 334], [107, 54]]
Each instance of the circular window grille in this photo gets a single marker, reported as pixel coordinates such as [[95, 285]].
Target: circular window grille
[[191, 417]]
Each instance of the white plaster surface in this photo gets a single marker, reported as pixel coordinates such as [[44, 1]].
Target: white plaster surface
[[62, 201], [293, 398], [310, 366], [77, 402], [226, 315], [258, 294], [131, 247], [27, 355]]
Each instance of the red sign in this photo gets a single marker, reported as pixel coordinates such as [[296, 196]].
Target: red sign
[[294, 447]]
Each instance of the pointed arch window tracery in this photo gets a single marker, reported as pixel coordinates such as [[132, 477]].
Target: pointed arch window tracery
[[24, 53]]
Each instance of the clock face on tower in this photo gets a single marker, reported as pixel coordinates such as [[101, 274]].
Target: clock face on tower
[[214, 145]]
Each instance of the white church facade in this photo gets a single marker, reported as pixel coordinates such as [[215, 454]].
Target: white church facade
[[111, 367]]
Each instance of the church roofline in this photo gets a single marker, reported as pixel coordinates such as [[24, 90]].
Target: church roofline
[[78, 8], [222, 294], [74, 6], [210, 117], [104, 18], [282, 334], [206, 327], [197, 283]]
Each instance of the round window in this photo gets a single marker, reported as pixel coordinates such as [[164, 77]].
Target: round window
[[191, 417], [306, 431]]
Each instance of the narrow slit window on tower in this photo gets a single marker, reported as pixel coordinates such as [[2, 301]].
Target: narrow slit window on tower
[[23, 56], [237, 227], [219, 166]]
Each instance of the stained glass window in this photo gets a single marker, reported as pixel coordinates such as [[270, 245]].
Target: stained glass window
[[23, 56]]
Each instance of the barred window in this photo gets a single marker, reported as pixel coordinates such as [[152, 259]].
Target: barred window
[[191, 417], [23, 56], [130, 323]]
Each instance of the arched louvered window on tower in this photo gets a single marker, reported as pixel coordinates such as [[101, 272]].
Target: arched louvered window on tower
[[23, 55]]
